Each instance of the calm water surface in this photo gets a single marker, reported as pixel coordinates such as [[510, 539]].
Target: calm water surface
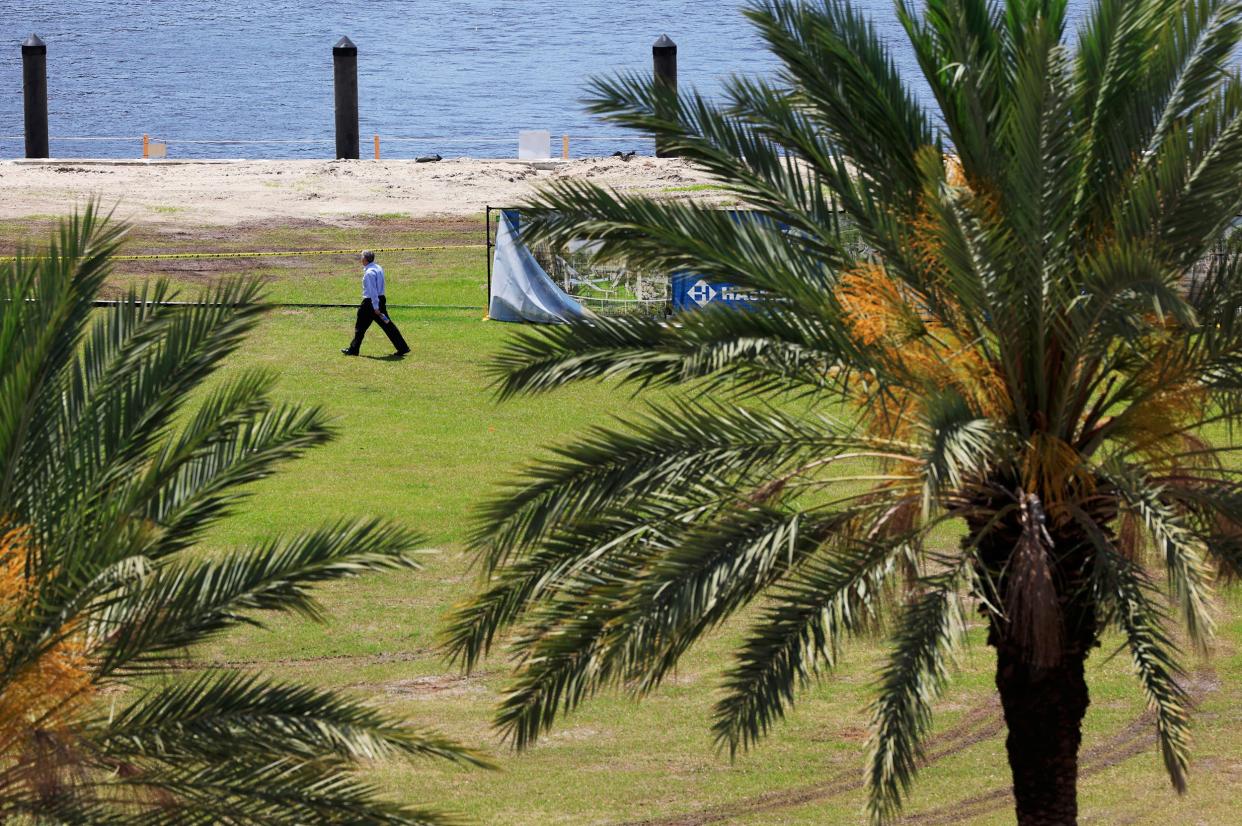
[[464, 74]]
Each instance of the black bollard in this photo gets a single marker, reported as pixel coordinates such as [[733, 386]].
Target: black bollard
[[664, 58], [345, 74], [34, 91]]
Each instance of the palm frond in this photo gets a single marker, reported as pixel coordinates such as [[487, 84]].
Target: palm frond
[[731, 147], [182, 603], [752, 250], [759, 353], [961, 55], [217, 716], [915, 672], [279, 792], [624, 623], [1184, 555], [665, 449], [1201, 41], [799, 636], [202, 477], [1115, 45], [45, 304], [1125, 590], [836, 65]]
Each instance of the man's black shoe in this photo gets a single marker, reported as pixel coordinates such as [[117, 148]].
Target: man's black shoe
[[348, 351], [402, 353]]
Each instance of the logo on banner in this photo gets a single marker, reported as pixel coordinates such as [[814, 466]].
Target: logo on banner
[[701, 293], [692, 291]]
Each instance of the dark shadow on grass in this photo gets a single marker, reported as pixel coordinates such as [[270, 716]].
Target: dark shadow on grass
[[389, 357]]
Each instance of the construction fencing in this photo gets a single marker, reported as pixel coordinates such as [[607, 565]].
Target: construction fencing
[[538, 283]]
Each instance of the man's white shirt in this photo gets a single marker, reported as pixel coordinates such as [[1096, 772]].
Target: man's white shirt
[[373, 284]]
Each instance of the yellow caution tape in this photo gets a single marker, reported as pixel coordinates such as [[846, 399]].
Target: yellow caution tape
[[268, 254]]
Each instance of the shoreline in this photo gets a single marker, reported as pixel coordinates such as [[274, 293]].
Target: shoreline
[[230, 192]]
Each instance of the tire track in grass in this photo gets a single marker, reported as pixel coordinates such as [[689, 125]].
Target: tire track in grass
[[983, 723], [1134, 739], [423, 685], [1131, 741], [381, 658]]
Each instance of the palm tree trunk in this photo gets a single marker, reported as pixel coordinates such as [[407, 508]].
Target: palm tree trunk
[[1044, 704], [1044, 709]]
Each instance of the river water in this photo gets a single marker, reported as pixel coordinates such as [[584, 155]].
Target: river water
[[460, 77]]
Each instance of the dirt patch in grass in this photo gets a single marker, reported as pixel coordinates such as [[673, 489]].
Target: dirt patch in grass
[[335, 659], [848, 734], [190, 270], [439, 685]]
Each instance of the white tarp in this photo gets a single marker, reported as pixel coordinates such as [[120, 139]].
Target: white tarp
[[521, 290]]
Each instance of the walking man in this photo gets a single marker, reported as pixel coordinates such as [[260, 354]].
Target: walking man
[[374, 307]]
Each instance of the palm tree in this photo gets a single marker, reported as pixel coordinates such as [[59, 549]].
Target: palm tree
[[115, 461], [977, 316]]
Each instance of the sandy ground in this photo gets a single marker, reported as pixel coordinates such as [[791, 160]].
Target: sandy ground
[[236, 192]]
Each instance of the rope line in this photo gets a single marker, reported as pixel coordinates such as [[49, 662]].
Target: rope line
[[270, 254], [104, 302]]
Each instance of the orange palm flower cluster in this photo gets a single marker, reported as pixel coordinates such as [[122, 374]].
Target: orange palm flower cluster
[[45, 692]]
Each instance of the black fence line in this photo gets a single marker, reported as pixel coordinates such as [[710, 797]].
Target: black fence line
[[105, 302]]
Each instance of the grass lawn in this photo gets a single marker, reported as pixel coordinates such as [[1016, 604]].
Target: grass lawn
[[422, 440]]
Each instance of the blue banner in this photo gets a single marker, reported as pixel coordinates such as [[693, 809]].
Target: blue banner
[[692, 291]]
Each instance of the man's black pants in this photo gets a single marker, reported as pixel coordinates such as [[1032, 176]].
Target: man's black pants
[[365, 316]]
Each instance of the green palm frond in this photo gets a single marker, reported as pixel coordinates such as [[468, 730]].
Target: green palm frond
[[917, 669], [675, 236], [711, 573], [1114, 52], [184, 602], [115, 465], [1211, 508], [621, 622], [706, 133], [41, 336], [199, 479], [1202, 40], [665, 450], [959, 446], [216, 716], [1131, 597], [961, 55], [760, 352], [800, 635], [278, 792], [1184, 554], [846, 76]]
